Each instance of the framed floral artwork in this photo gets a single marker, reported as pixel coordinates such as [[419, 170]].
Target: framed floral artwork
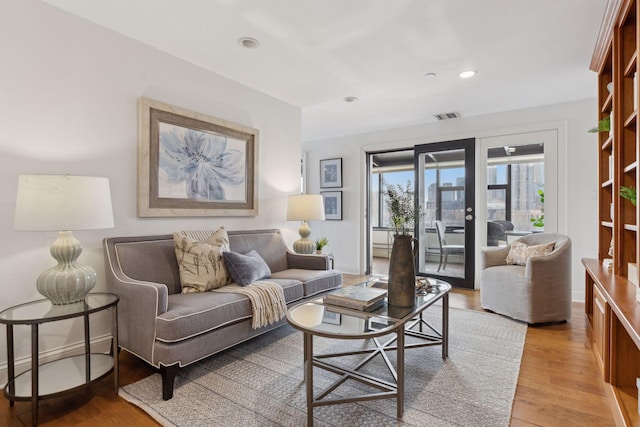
[[331, 173], [332, 205], [191, 164]]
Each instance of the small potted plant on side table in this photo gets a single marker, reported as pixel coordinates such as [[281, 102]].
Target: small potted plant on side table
[[321, 243]]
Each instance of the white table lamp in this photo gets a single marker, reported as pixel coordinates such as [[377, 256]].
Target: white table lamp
[[63, 202], [305, 207]]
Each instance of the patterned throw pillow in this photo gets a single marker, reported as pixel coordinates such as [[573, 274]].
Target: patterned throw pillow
[[201, 265], [520, 252]]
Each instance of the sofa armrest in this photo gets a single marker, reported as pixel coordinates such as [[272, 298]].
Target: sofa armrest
[[492, 256], [308, 262], [140, 304]]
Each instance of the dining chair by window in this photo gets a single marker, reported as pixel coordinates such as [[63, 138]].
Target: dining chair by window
[[446, 249], [496, 232]]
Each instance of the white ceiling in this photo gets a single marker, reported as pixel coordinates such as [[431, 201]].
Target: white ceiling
[[314, 53]]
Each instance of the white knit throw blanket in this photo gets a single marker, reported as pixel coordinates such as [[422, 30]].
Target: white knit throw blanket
[[267, 301]]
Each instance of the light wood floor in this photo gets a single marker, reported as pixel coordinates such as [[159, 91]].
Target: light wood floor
[[559, 383]]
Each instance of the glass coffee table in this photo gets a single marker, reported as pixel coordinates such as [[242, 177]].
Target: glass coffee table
[[315, 318]]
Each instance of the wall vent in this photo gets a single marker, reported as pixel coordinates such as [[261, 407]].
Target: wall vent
[[447, 116]]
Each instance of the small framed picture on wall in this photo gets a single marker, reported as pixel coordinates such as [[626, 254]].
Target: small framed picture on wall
[[332, 205], [331, 173]]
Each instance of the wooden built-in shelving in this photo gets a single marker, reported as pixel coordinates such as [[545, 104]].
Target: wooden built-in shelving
[[606, 107], [607, 143], [631, 120], [631, 168], [611, 308]]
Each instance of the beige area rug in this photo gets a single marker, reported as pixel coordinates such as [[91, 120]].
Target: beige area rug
[[260, 382]]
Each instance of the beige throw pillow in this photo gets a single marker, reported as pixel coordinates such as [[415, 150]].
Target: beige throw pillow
[[201, 264], [520, 252]]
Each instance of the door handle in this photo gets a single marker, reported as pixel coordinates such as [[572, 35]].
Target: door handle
[[469, 217]]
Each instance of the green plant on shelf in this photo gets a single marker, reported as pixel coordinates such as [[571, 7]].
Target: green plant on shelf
[[604, 125], [628, 193]]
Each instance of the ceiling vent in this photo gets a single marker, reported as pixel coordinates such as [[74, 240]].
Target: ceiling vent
[[447, 116]]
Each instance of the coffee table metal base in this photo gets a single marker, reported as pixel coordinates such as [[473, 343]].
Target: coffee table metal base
[[388, 389]]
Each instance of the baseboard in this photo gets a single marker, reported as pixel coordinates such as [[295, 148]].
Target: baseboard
[[98, 345]]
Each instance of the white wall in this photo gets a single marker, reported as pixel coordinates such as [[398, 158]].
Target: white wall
[[68, 105], [577, 164]]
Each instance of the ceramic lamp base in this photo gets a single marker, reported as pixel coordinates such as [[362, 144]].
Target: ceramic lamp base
[[68, 282], [304, 246]]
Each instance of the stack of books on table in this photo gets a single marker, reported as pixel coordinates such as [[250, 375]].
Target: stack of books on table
[[356, 297]]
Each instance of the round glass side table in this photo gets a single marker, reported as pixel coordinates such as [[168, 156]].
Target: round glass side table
[[67, 374]]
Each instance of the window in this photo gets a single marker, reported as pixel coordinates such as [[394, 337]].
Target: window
[[515, 178], [526, 203], [498, 192], [444, 180], [375, 199], [379, 212], [451, 192]]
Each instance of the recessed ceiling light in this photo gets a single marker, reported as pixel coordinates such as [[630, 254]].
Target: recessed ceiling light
[[467, 74], [248, 42], [430, 75], [350, 99]]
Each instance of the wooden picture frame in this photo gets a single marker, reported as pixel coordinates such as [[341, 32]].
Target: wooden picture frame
[[331, 173], [332, 205], [191, 164]]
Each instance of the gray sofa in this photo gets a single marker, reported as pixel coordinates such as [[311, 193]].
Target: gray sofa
[[169, 329], [537, 292]]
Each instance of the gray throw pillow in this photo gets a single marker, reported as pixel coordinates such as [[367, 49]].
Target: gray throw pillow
[[246, 269]]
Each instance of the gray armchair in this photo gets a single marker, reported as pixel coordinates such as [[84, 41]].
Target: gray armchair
[[538, 292]]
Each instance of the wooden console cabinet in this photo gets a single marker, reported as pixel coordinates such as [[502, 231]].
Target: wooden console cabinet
[[614, 328]]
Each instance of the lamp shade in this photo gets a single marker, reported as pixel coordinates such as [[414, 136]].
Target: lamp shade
[[305, 207], [62, 202]]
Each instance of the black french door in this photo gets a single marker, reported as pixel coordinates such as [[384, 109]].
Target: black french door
[[445, 193]]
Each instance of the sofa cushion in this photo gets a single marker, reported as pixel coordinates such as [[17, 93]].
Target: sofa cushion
[[268, 243], [197, 313], [201, 265], [313, 281], [246, 269], [519, 252]]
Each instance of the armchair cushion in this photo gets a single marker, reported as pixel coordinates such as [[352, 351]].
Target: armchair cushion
[[519, 252], [246, 269]]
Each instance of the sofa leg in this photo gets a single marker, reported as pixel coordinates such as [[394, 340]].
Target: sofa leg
[[168, 379]]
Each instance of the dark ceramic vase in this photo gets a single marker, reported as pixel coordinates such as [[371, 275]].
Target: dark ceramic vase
[[402, 272]]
